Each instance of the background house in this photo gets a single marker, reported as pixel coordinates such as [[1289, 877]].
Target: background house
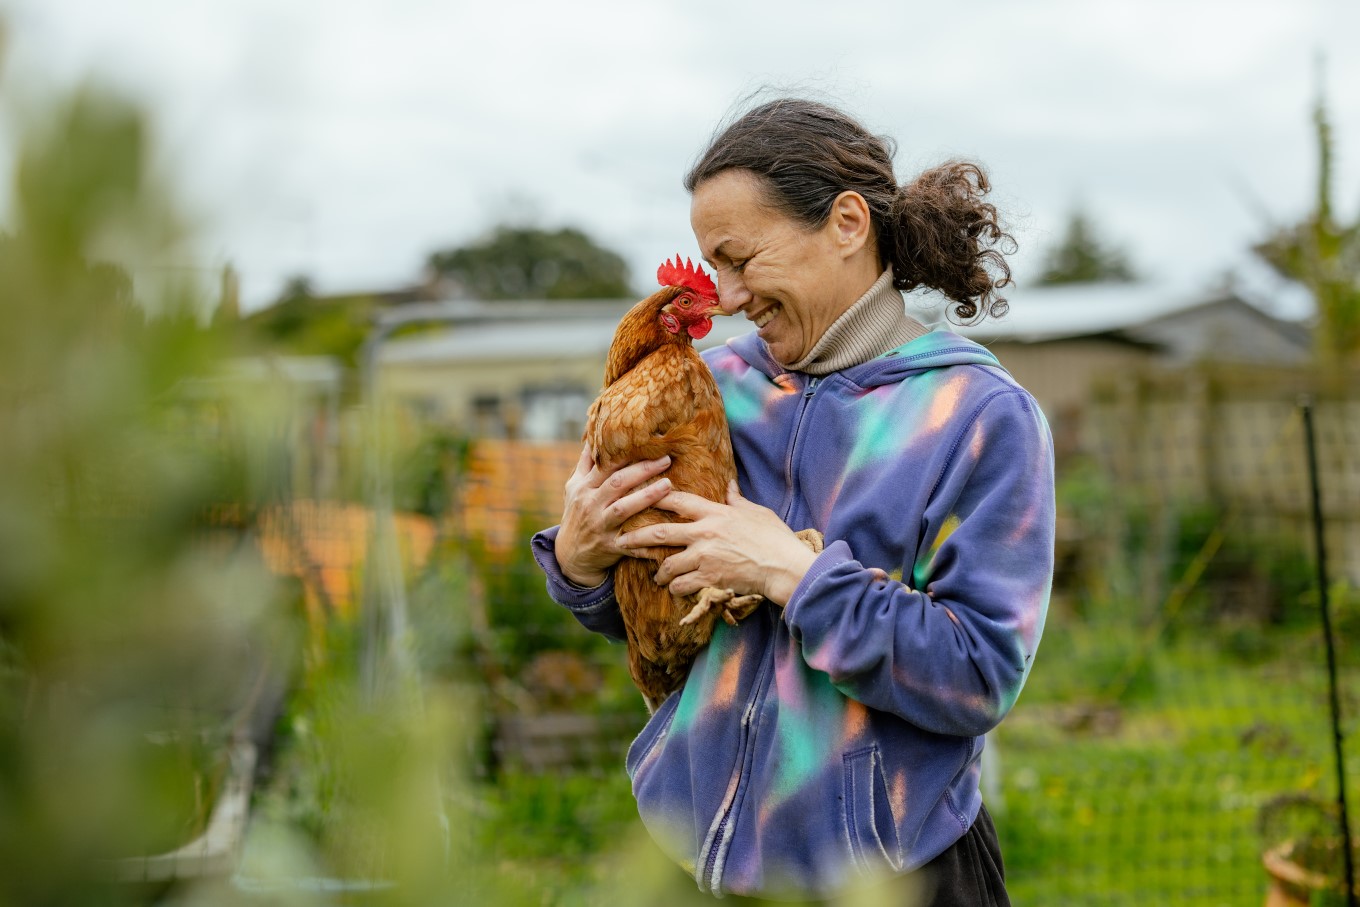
[[1067, 344]]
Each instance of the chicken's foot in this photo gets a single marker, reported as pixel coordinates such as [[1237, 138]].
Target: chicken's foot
[[734, 606], [738, 607]]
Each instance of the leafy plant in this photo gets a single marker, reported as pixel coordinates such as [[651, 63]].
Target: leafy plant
[[1323, 253]]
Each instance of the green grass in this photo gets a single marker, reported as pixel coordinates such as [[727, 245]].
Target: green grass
[[1158, 802]]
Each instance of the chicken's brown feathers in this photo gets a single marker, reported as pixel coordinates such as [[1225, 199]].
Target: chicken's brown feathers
[[660, 399]]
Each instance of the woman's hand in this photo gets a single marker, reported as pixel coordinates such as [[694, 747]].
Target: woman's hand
[[597, 504], [739, 545]]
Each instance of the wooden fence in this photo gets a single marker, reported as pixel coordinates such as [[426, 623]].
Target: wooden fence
[[1233, 436]]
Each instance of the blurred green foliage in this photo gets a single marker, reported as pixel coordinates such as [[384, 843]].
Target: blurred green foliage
[[305, 325], [133, 620], [532, 263], [426, 468], [1322, 252]]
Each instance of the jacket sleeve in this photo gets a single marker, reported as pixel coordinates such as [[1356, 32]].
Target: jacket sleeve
[[596, 608], [950, 649]]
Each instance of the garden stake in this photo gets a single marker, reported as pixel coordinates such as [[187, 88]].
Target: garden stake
[[1337, 739]]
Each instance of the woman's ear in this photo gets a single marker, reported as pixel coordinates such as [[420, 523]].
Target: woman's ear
[[850, 222]]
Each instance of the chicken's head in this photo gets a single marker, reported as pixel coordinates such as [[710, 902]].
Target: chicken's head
[[692, 308]]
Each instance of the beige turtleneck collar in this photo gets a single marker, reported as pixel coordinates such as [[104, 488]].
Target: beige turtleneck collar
[[876, 323]]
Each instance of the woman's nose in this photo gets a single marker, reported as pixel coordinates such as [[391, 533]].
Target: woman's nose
[[732, 292]]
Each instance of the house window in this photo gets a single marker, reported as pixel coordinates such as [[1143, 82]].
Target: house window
[[554, 413], [488, 419]]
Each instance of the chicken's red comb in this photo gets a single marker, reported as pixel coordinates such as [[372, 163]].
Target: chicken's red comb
[[674, 275]]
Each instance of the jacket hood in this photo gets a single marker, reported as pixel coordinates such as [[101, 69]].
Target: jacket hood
[[937, 349]]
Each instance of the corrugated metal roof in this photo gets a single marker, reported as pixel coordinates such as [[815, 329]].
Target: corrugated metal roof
[[575, 335], [1081, 310]]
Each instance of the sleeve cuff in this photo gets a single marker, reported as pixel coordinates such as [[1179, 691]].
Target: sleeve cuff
[[564, 591], [832, 556]]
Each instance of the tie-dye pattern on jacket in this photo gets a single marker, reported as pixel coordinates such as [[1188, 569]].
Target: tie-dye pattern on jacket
[[841, 736]]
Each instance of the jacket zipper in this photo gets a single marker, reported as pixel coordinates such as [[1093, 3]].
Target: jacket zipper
[[718, 843], [717, 839], [808, 393]]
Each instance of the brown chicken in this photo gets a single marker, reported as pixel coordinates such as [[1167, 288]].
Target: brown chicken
[[659, 398]]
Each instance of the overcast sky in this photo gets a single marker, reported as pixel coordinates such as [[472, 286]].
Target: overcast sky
[[345, 141]]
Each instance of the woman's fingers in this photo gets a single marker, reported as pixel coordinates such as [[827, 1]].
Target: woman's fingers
[[596, 503], [690, 506], [739, 545], [586, 462], [681, 564], [618, 513], [622, 481], [661, 534]]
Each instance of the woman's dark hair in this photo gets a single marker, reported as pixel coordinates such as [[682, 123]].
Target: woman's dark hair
[[935, 231]]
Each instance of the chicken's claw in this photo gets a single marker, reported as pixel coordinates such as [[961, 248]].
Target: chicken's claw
[[813, 539], [734, 606], [739, 607]]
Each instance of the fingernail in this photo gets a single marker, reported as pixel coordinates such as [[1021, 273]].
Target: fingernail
[[665, 458]]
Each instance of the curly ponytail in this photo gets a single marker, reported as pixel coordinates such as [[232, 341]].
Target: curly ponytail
[[936, 231], [941, 234]]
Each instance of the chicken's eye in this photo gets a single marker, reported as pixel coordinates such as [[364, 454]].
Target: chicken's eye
[[684, 301]]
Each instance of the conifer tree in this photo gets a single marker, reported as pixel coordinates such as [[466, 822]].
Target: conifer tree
[[1083, 257]]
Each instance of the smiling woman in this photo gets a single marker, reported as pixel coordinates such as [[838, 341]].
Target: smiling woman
[[829, 175], [834, 736]]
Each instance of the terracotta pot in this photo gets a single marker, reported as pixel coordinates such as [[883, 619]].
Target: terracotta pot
[[1290, 884]]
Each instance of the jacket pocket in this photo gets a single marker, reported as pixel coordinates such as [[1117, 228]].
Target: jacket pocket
[[870, 825], [652, 734]]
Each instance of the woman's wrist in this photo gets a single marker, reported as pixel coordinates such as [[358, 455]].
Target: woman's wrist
[[568, 553], [586, 580], [784, 581]]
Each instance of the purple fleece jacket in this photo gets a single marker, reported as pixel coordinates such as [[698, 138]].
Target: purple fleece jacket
[[840, 737]]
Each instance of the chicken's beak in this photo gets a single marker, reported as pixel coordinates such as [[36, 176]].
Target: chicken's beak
[[715, 309]]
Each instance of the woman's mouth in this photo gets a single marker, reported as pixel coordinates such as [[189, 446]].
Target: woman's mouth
[[764, 317]]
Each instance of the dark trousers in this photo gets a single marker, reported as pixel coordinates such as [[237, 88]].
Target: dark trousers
[[968, 874]]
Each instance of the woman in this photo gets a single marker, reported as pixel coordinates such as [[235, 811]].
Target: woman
[[837, 733]]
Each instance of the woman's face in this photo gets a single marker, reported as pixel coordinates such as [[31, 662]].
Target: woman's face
[[790, 281]]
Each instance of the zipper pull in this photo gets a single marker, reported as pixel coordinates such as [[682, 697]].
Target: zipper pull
[[812, 386]]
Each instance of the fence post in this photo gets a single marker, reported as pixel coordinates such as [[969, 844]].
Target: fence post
[[1337, 738]]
